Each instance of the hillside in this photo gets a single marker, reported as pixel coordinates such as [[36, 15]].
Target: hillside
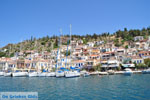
[[120, 37]]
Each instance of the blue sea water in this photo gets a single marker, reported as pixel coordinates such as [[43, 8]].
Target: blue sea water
[[113, 87]]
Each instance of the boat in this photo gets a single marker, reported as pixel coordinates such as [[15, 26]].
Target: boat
[[50, 74], [42, 74], [33, 74], [111, 72], [1, 73], [8, 74], [73, 72], [86, 74], [70, 74], [60, 73], [147, 71], [83, 72], [128, 71], [20, 74]]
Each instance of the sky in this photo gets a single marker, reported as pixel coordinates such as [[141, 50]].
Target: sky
[[21, 19]]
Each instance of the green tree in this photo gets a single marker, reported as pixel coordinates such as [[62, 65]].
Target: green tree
[[126, 47], [2, 54], [140, 66], [67, 53], [147, 62], [97, 67]]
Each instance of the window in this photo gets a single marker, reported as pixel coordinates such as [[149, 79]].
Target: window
[[140, 61]]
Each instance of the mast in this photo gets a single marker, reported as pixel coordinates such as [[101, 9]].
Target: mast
[[67, 47], [60, 44], [70, 43], [57, 53]]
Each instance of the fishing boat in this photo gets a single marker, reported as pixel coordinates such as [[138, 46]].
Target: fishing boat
[[128, 71], [19, 74], [147, 71]]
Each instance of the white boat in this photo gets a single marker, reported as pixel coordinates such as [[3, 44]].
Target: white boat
[[86, 74], [69, 74], [83, 72], [7, 74], [42, 74], [111, 72], [1, 73], [20, 74], [128, 71], [77, 73], [33, 74], [147, 71], [50, 74], [60, 73]]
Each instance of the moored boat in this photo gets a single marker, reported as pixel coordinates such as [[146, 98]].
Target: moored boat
[[20, 74], [50, 74], [42, 74], [111, 72], [70, 74], [147, 71], [33, 74], [86, 74], [8, 74], [128, 71], [60, 73], [1, 73]]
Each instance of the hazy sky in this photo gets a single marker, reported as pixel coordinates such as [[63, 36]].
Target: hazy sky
[[21, 19]]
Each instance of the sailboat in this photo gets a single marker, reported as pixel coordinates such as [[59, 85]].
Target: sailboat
[[73, 72], [7, 73], [59, 72], [1, 73], [33, 73], [51, 74], [19, 73]]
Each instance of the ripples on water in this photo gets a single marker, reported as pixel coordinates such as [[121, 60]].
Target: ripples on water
[[113, 87]]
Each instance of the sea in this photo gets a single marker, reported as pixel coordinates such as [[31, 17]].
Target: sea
[[109, 87]]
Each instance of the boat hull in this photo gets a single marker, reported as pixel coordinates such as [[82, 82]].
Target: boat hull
[[20, 74], [86, 75], [145, 72], [60, 74], [41, 74], [128, 73], [1, 73], [33, 74], [72, 74], [7, 74], [51, 74]]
